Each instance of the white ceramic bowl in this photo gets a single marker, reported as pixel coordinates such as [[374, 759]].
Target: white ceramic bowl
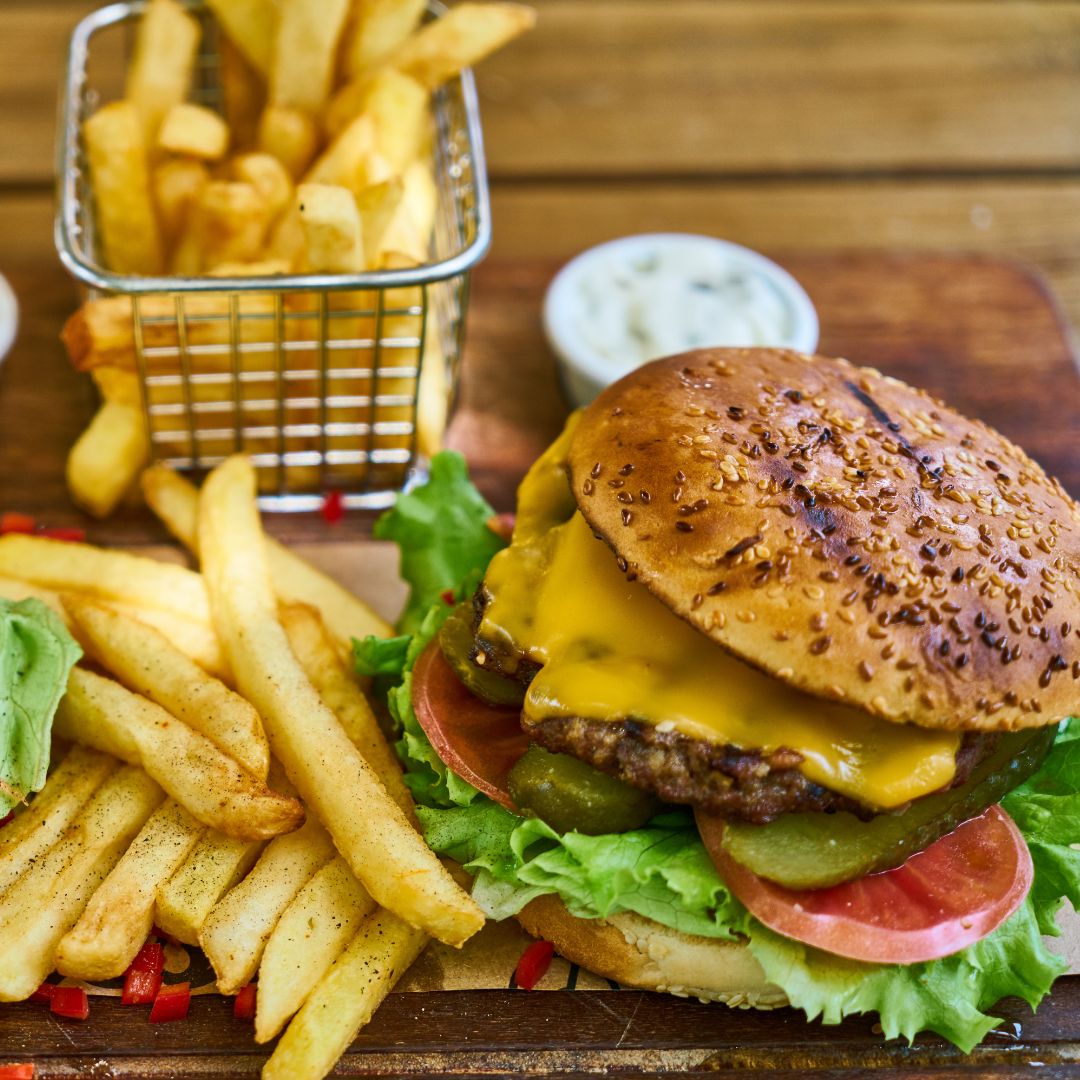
[[9, 317], [585, 370]]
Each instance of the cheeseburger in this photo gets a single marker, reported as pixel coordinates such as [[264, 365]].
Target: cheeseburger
[[733, 714]]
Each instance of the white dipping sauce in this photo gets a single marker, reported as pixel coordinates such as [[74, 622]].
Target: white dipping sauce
[[629, 301], [673, 299]]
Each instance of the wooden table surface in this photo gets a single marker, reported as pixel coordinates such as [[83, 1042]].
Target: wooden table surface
[[812, 128], [796, 125]]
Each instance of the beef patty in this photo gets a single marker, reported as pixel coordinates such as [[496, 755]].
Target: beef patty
[[724, 780]]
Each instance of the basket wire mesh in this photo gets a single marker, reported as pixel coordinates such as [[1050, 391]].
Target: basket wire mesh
[[328, 381]]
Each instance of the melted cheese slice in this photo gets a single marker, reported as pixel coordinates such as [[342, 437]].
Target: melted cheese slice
[[610, 650]]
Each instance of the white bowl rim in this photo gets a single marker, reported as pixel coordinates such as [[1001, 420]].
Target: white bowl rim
[[573, 350], [9, 317]]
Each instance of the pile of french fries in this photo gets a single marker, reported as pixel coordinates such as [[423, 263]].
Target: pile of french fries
[[320, 162], [226, 781]]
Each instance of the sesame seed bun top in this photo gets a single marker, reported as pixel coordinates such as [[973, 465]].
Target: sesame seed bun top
[[842, 531]]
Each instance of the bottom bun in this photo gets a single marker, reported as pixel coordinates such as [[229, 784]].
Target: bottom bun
[[634, 951]]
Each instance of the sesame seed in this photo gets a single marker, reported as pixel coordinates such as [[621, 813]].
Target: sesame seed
[[682, 526], [626, 470], [961, 660], [481, 658], [595, 471], [627, 517], [697, 602], [680, 477], [719, 587], [587, 487], [820, 645]]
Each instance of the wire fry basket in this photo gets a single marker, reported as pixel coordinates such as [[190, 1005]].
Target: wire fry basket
[[329, 381]]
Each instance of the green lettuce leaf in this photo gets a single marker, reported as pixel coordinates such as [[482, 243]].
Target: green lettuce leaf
[[663, 870], [950, 996], [441, 530], [36, 657]]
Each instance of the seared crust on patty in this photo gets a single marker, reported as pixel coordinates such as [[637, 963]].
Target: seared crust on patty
[[720, 779]]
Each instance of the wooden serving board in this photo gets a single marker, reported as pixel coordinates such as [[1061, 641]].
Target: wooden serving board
[[983, 334]]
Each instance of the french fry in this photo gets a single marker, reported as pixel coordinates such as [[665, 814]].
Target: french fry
[[120, 179], [432, 396], [228, 224], [101, 332], [107, 458], [116, 922], [378, 206], [304, 52], [398, 105], [461, 38], [251, 26], [345, 162], [287, 239], [145, 662], [387, 855], [159, 75], [314, 649], [378, 29], [107, 575], [346, 105], [243, 92], [331, 224], [115, 384], [269, 177], [191, 129], [48, 899], [217, 865], [291, 135], [177, 185], [234, 935], [176, 501], [101, 713], [25, 840], [422, 199], [195, 640], [345, 999], [310, 935]]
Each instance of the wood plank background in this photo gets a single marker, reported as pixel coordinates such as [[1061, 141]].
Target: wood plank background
[[814, 125]]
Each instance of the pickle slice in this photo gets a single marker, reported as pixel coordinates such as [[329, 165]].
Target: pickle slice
[[814, 851], [569, 794], [456, 639]]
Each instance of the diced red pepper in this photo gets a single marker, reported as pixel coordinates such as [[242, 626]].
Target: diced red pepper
[[156, 931], [7, 817], [171, 1003], [17, 1072], [333, 508], [11, 522], [142, 980], [71, 534], [140, 987], [447, 596], [70, 1001], [533, 965], [502, 525], [44, 993], [244, 1005]]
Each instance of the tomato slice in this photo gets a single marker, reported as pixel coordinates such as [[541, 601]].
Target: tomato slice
[[479, 742], [948, 896]]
